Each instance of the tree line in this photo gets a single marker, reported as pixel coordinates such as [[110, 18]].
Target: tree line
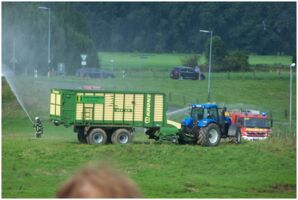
[[256, 27], [160, 27]]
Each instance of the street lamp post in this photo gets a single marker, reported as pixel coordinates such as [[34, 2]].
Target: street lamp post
[[291, 78], [210, 59], [49, 37]]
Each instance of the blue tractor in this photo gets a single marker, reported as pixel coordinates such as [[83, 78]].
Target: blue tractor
[[206, 125]]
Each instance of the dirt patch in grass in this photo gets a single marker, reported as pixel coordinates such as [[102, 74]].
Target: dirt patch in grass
[[277, 188], [189, 187]]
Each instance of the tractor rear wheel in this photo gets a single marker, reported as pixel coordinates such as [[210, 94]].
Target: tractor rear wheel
[[121, 136], [209, 135], [97, 136]]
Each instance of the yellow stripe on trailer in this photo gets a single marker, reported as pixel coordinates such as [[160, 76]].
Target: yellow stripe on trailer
[[173, 123]]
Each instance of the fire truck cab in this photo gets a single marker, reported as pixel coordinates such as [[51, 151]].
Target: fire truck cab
[[253, 125]]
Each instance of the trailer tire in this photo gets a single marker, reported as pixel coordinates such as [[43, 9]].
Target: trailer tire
[[97, 136], [121, 136], [210, 135]]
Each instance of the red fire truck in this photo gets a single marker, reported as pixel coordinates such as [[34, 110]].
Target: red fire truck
[[253, 124]]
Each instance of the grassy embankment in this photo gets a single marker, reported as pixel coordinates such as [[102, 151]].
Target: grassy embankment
[[35, 167]]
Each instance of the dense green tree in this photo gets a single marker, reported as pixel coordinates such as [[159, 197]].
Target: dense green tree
[[253, 27], [190, 60], [219, 52], [235, 61], [256, 27]]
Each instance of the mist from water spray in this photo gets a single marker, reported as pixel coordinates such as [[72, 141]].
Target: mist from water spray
[[33, 94], [13, 89], [177, 112]]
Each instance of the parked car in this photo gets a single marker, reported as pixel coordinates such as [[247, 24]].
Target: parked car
[[92, 72], [185, 73]]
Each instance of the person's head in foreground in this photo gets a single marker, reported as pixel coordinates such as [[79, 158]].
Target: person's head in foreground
[[98, 182]]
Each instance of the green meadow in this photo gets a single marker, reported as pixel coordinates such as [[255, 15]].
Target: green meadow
[[167, 61], [35, 168]]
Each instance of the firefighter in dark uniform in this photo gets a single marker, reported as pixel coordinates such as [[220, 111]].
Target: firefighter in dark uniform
[[38, 127]]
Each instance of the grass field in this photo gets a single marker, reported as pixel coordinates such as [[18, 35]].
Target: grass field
[[168, 61], [270, 60], [34, 168]]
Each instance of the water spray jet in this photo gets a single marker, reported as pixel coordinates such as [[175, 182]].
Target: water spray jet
[[7, 74]]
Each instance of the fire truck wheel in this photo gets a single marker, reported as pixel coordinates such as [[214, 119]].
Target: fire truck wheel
[[97, 136], [210, 135], [121, 136]]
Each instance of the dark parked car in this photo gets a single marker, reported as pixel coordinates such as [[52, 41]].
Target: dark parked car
[[92, 72], [185, 73]]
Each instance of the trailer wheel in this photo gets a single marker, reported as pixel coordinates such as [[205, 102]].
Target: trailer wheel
[[97, 136], [210, 135], [121, 136]]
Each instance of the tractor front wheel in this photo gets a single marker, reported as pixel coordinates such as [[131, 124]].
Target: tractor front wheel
[[209, 135]]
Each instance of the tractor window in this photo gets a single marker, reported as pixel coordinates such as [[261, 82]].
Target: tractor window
[[203, 113], [197, 113], [213, 113]]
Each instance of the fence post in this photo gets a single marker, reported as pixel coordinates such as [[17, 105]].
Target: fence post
[[184, 100]]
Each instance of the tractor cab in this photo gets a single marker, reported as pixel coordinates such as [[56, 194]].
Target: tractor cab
[[203, 114]]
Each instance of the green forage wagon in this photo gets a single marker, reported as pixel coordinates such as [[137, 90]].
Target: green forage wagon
[[100, 117]]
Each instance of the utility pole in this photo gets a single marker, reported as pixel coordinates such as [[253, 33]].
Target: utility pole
[[210, 59], [291, 79], [49, 38]]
